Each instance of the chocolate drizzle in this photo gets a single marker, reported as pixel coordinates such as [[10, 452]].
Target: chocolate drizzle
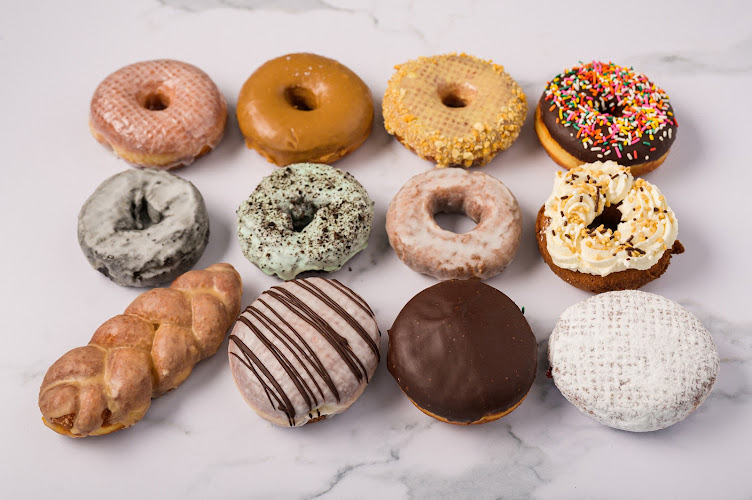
[[290, 349]]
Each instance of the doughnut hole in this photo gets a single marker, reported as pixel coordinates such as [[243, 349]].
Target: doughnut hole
[[454, 213], [610, 219], [301, 213], [155, 101], [457, 95], [142, 215], [300, 98]]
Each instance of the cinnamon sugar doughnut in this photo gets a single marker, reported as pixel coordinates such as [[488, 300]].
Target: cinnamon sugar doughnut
[[427, 248], [159, 114], [455, 110]]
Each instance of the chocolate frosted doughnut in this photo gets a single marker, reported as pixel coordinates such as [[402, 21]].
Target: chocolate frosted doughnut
[[143, 227], [304, 217], [462, 352], [304, 350]]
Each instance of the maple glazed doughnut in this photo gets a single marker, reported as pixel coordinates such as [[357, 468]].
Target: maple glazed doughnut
[[601, 229], [159, 114], [304, 108], [601, 111], [426, 248], [455, 110]]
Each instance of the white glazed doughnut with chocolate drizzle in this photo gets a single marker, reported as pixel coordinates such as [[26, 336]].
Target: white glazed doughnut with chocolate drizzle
[[304, 350]]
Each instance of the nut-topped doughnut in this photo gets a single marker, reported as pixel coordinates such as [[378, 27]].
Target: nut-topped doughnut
[[601, 229], [159, 114], [304, 217], [601, 111], [426, 248], [304, 108], [454, 109]]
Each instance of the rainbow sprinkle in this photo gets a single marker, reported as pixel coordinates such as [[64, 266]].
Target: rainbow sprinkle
[[611, 109]]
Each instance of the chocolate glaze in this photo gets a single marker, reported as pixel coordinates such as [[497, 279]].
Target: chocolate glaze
[[462, 350]]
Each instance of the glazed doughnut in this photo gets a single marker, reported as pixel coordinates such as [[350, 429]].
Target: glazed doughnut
[[304, 217], [304, 108], [143, 227], [603, 230], [160, 114], [454, 110], [304, 350], [632, 360], [427, 248], [601, 111], [462, 352]]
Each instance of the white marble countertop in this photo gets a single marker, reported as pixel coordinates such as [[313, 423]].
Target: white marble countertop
[[202, 440]]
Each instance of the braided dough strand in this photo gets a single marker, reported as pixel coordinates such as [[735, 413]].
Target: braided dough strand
[[148, 350]]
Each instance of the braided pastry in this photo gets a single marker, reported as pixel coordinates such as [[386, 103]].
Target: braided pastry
[[141, 354]]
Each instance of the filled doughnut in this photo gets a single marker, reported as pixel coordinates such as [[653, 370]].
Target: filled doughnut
[[632, 360], [454, 110], [601, 111], [304, 351], [601, 229], [462, 352], [304, 108], [143, 227], [427, 248], [304, 217], [159, 114]]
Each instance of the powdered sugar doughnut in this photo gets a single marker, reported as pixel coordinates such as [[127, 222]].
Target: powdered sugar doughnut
[[427, 248], [304, 350], [632, 360]]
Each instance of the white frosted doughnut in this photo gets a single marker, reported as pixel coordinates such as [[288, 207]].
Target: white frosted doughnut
[[632, 360]]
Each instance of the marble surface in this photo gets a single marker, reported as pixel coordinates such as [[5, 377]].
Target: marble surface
[[201, 441]]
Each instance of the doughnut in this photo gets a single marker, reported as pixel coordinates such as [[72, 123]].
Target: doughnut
[[602, 230], [454, 110], [304, 351], [304, 217], [143, 227], [462, 352], [601, 111], [304, 108], [159, 114], [427, 248], [632, 360]]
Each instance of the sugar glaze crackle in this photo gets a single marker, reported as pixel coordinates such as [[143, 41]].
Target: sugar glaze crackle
[[304, 350]]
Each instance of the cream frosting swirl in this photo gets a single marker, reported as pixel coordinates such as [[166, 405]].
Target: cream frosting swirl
[[648, 227]]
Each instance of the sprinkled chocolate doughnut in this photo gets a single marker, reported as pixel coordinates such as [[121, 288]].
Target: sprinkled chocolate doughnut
[[601, 111], [427, 248], [143, 227], [304, 217], [454, 109]]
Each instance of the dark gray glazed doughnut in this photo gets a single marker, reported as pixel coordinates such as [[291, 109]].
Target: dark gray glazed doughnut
[[143, 227]]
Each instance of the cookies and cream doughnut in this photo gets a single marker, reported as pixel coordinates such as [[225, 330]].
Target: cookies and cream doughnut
[[304, 108], [632, 360], [304, 350], [429, 249], [454, 109], [601, 229], [159, 114], [143, 227], [462, 352], [601, 111], [304, 217]]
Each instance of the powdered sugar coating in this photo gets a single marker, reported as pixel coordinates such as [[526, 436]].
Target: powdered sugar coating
[[632, 360]]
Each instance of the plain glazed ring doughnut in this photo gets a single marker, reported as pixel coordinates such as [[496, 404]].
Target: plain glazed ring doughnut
[[455, 110], [427, 248], [462, 352], [601, 111], [304, 351], [304, 217], [632, 360], [603, 230], [304, 108], [143, 227], [159, 114]]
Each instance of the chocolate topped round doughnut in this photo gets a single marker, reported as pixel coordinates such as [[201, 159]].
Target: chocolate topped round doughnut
[[601, 111], [462, 352]]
